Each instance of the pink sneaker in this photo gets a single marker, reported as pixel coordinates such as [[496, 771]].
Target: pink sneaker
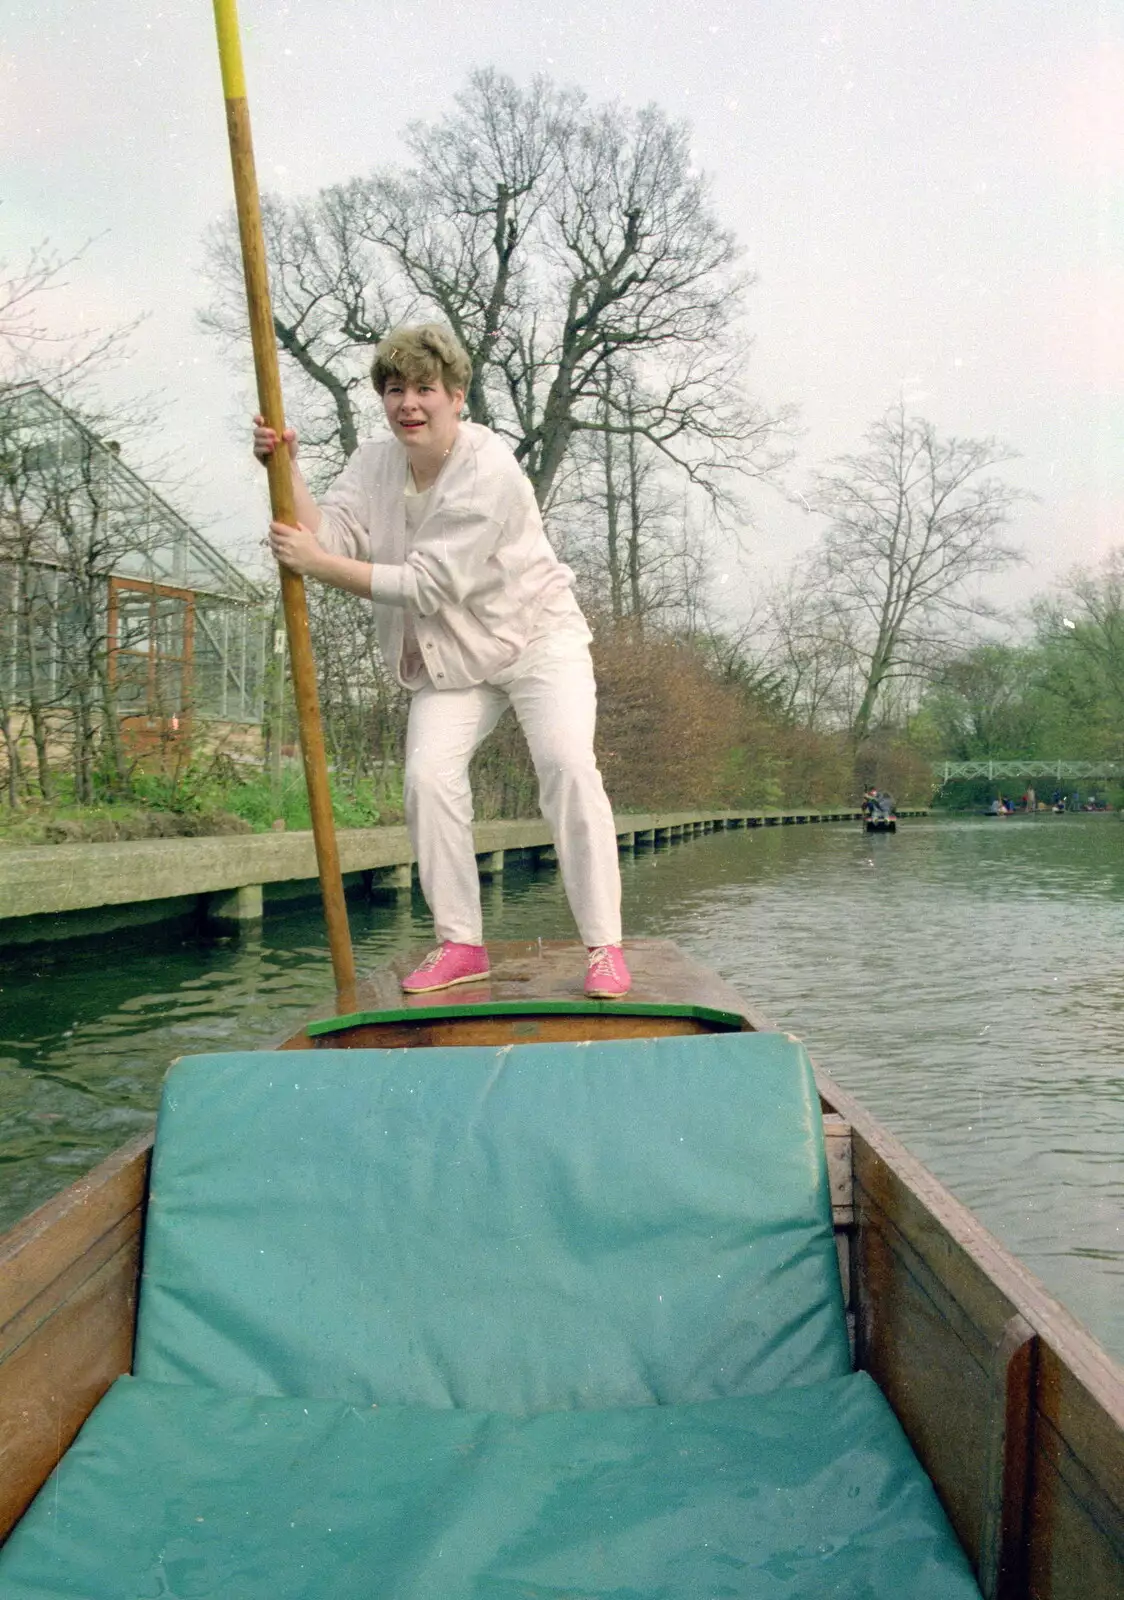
[[447, 965], [608, 978]]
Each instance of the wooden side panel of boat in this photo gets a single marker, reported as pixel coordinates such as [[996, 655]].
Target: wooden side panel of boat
[[1015, 1412], [68, 1291]]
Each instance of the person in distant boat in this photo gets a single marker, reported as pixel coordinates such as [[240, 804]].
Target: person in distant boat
[[438, 527]]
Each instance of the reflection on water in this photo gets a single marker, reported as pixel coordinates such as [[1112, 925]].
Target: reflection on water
[[963, 978]]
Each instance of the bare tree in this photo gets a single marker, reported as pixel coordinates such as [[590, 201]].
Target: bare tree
[[555, 239], [914, 522], [332, 302], [733, 654], [69, 522], [627, 526], [27, 623], [809, 645], [363, 705], [32, 346], [643, 270], [49, 489], [464, 224], [21, 291], [446, 236]]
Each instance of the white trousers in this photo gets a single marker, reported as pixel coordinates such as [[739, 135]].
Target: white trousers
[[551, 690]]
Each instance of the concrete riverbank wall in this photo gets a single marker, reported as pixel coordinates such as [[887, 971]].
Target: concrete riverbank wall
[[59, 892]]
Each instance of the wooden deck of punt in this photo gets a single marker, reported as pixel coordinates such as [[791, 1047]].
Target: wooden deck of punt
[[1014, 1410]]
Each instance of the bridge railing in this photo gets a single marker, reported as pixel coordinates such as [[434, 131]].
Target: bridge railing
[[1060, 771]]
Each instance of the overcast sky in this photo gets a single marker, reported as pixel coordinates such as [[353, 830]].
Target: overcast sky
[[930, 194]]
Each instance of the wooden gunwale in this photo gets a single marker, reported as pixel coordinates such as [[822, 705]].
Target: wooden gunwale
[[1014, 1410], [68, 1287], [1026, 1445]]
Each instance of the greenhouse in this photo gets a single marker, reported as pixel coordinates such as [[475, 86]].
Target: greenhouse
[[107, 594]]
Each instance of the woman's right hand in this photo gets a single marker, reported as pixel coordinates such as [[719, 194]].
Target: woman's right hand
[[265, 441]]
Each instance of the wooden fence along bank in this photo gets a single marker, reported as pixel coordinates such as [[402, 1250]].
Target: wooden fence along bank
[[51, 892]]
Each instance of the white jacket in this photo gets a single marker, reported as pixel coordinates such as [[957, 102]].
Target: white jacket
[[480, 572]]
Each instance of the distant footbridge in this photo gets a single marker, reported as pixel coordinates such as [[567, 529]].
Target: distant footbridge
[[1059, 771]]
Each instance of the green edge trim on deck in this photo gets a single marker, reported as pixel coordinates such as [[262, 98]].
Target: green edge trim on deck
[[528, 1008]]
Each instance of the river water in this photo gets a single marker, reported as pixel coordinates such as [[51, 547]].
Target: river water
[[964, 978]]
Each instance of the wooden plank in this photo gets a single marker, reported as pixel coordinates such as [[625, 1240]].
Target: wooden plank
[[464, 1031], [548, 970], [1002, 1560], [978, 1306], [945, 1233], [1070, 1557], [923, 1333], [1076, 1522], [68, 1283], [938, 1302], [930, 1365], [24, 1325], [837, 1146], [1091, 1424], [51, 1382], [47, 1244]]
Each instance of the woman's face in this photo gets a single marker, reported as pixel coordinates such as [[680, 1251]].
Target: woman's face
[[423, 416]]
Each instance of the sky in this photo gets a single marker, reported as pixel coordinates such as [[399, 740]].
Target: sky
[[931, 197]]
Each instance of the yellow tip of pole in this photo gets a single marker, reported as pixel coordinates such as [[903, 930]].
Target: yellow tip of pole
[[230, 49]]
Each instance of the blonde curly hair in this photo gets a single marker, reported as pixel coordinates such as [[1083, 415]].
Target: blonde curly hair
[[419, 353]]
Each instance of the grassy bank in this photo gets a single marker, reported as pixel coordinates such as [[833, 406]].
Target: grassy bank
[[216, 804], [678, 729]]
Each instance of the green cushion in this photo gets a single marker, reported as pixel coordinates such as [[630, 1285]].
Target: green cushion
[[175, 1491], [516, 1229]]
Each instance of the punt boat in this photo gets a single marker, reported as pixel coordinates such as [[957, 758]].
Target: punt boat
[[882, 824], [1012, 1409]]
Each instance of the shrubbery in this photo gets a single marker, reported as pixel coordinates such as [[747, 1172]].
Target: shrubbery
[[673, 733]]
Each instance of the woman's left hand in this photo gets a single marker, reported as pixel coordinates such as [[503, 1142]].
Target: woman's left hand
[[295, 548]]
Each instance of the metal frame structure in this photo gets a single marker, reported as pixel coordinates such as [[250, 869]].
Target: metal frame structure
[[202, 652], [1061, 771]]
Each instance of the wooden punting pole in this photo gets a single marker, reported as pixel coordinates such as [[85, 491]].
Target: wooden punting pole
[[281, 497]]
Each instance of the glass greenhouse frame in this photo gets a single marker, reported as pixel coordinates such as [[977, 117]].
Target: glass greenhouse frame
[[87, 549]]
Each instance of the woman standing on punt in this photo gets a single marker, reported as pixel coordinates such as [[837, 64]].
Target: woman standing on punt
[[439, 528]]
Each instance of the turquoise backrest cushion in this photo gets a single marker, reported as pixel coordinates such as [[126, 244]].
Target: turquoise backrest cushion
[[514, 1229]]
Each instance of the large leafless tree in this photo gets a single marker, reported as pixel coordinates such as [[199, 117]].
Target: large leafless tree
[[557, 238], [915, 521]]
